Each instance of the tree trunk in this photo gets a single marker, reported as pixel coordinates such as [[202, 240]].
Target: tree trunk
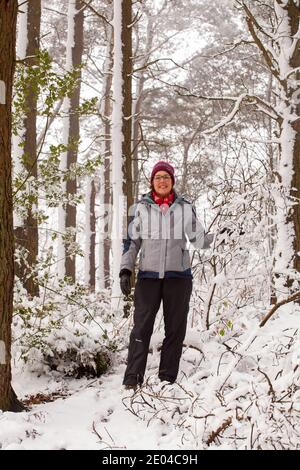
[[121, 134], [295, 193], [287, 249], [139, 100], [105, 170], [127, 100], [127, 113], [8, 18], [283, 61], [67, 216], [27, 234], [270, 209], [107, 192], [72, 153], [186, 148], [90, 223], [136, 135]]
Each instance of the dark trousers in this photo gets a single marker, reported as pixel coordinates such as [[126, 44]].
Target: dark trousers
[[175, 295]]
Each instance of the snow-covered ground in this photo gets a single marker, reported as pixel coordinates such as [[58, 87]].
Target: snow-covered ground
[[92, 414], [91, 417], [238, 390]]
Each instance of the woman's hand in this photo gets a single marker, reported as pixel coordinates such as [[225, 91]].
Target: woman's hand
[[125, 283]]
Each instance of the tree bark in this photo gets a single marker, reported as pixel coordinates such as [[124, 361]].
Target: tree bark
[[8, 18], [295, 193], [77, 51], [105, 171], [138, 102], [290, 141], [107, 193], [121, 134], [127, 113], [27, 235], [67, 213], [127, 101], [90, 217], [136, 135]]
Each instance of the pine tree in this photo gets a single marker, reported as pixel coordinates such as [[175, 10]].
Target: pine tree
[[8, 18]]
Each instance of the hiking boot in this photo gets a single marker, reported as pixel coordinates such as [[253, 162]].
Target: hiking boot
[[166, 379], [131, 387]]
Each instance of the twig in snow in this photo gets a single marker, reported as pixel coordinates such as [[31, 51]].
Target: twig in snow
[[95, 431], [220, 429], [271, 390]]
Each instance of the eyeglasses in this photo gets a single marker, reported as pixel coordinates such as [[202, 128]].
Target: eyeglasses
[[164, 178]]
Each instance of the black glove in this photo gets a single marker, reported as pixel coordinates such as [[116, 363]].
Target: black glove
[[125, 283], [226, 230]]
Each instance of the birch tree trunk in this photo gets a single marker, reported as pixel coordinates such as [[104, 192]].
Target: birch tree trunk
[[67, 215], [8, 18], [27, 233]]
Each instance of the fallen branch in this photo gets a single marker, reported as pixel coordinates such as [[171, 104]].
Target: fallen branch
[[279, 304], [220, 429]]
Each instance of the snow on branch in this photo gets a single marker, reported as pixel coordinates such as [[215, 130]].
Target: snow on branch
[[261, 105], [291, 72]]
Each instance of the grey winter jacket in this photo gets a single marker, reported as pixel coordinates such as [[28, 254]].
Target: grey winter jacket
[[161, 238]]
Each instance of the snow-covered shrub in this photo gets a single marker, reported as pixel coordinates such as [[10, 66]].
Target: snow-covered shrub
[[67, 330], [242, 394]]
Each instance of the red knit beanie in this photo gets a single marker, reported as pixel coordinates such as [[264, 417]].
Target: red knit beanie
[[163, 166]]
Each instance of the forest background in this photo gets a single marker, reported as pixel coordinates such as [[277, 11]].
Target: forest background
[[92, 94]]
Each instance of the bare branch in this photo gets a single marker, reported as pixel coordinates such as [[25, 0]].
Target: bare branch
[[279, 304], [41, 137], [271, 388], [88, 5], [231, 48], [156, 61], [135, 20], [56, 11], [270, 59]]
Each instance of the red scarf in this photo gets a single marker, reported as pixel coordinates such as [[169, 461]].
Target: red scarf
[[163, 200]]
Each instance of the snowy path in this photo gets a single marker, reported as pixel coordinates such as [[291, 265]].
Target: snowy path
[[79, 421], [91, 414]]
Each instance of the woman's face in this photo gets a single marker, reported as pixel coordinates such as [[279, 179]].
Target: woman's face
[[162, 183]]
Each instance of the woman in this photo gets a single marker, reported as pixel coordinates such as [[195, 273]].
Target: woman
[[162, 224]]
